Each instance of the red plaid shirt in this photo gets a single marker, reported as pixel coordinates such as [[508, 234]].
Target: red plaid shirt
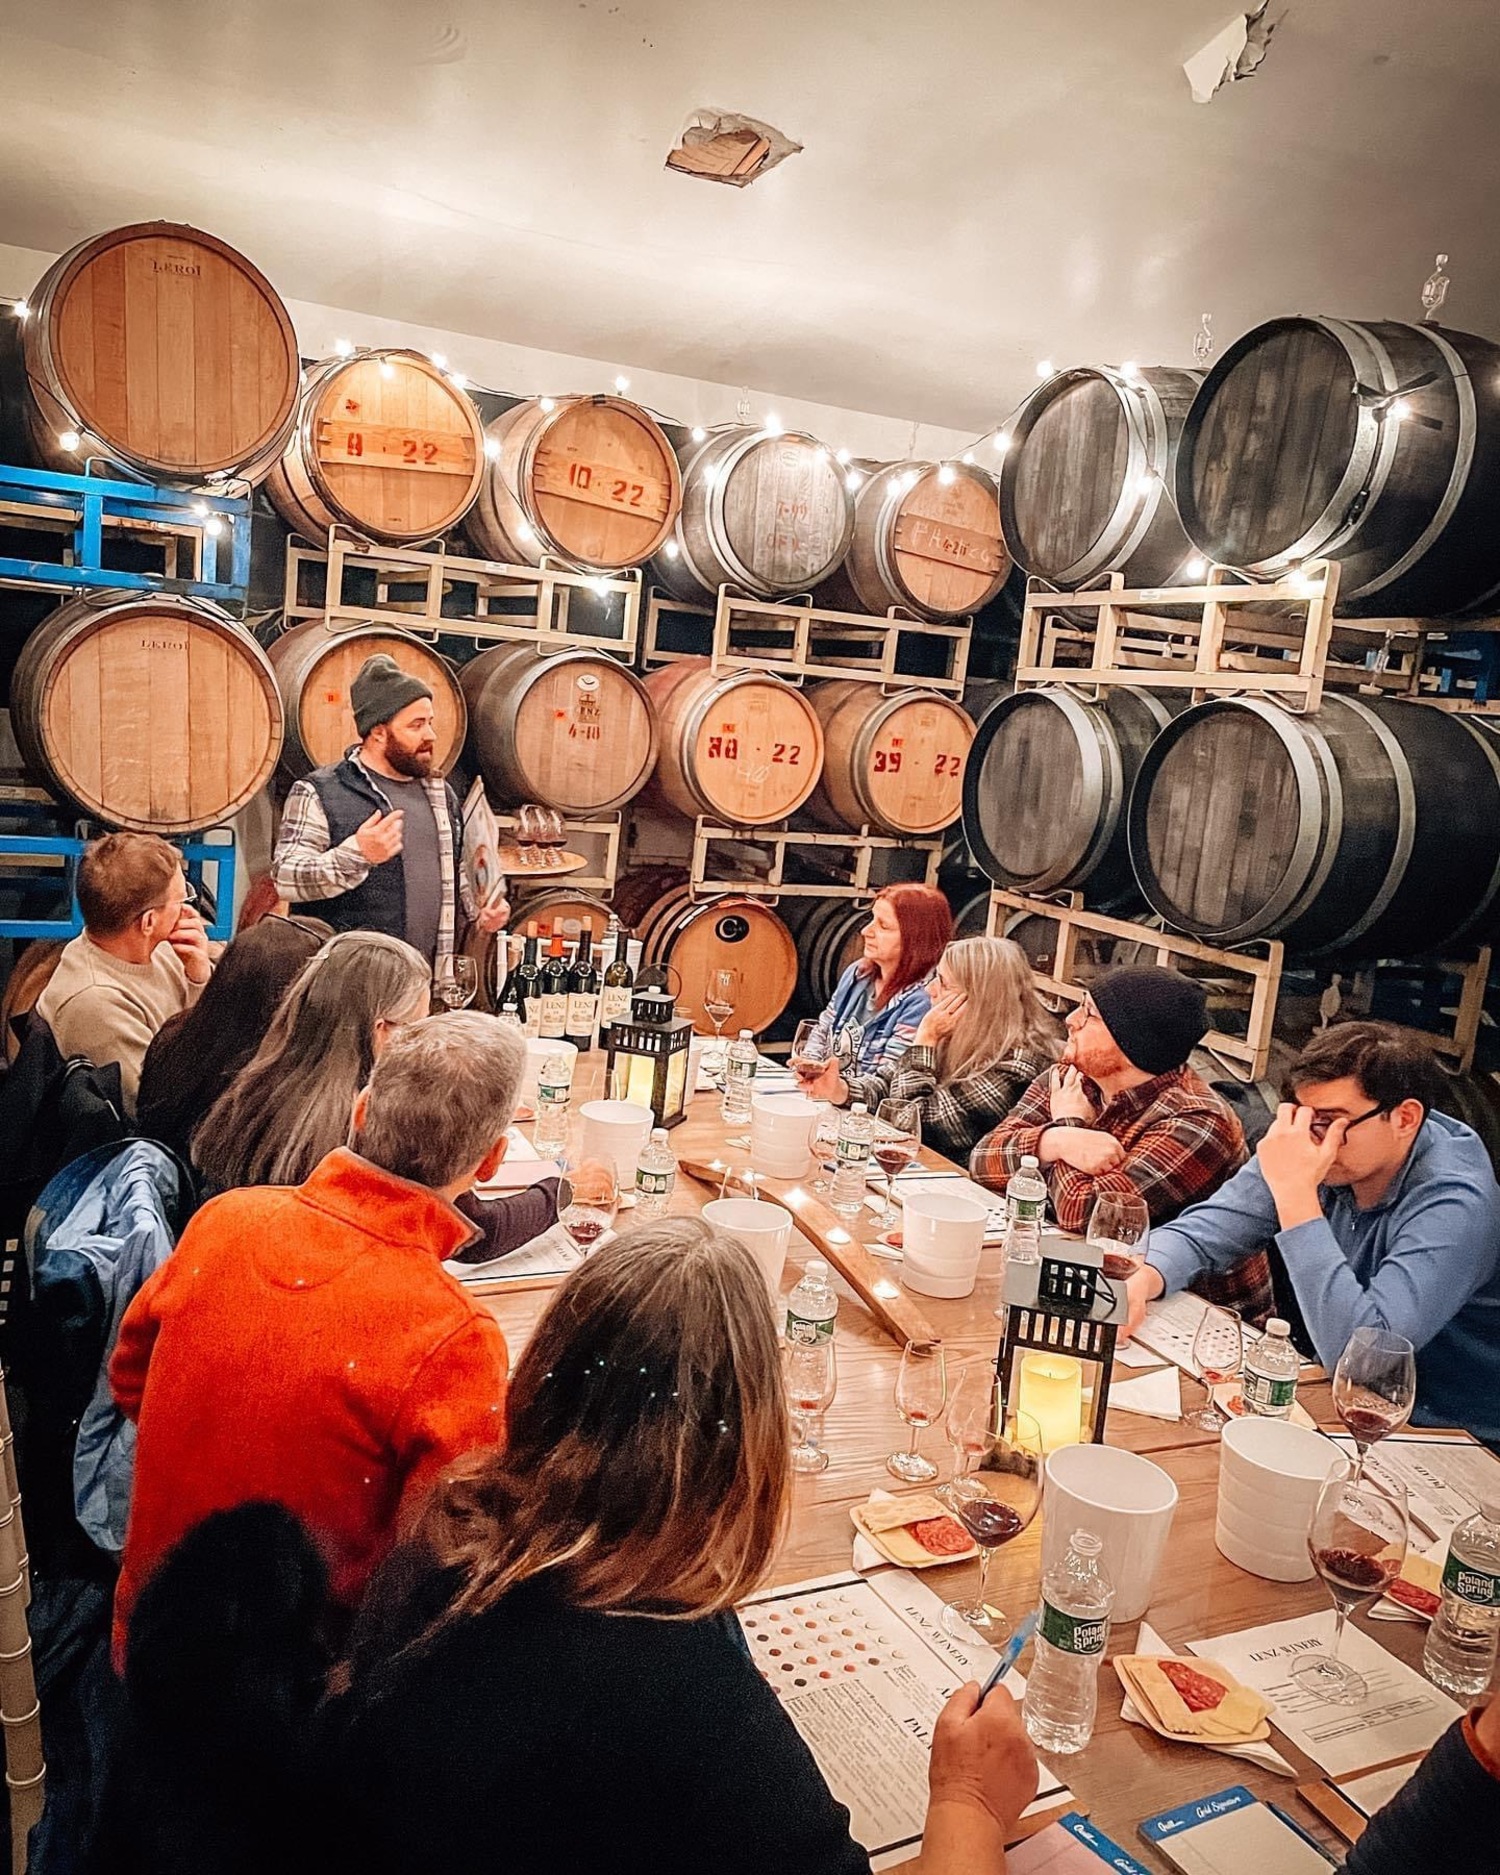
[[1181, 1142]]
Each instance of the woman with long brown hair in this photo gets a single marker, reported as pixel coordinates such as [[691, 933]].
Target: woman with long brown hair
[[880, 999], [551, 1677]]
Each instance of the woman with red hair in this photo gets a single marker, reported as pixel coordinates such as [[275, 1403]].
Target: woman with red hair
[[880, 1000]]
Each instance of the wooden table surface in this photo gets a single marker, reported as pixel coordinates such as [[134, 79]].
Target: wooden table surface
[[1126, 1772]]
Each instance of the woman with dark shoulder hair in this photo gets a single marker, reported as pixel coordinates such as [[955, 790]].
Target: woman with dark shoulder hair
[[551, 1676], [194, 1056], [879, 1000]]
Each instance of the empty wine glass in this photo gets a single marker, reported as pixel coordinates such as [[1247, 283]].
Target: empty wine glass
[[896, 1141], [811, 1373], [825, 1147], [1358, 1545], [591, 1201], [1218, 1350], [457, 982], [994, 1505], [970, 1424], [1374, 1387], [1118, 1227], [921, 1394], [718, 1005]]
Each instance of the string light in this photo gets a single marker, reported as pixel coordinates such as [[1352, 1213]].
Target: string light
[[214, 526], [1400, 410], [492, 447], [1130, 369], [841, 456], [622, 384], [967, 458], [599, 585], [821, 453], [440, 359], [698, 433], [1145, 482], [22, 310], [200, 507], [853, 480], [672, 550], [1002, 442], [343, 348], [1045, 368], [69, 440], [547, 405], [525, 531], [947, 475], [458, 380], [387, 369], [772, 424], [1196, 567]]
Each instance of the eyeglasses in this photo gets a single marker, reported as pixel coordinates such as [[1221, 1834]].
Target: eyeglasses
[[1086, 1012], [1320, 1123], [190, 895]]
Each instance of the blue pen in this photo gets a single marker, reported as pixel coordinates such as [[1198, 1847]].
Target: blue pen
[[1010, 1654]]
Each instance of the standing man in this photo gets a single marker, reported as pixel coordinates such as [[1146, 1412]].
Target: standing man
[[375, 842]]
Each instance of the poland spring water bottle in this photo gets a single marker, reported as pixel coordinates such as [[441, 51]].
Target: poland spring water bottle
[[1062, 1689], [1465, 1634]]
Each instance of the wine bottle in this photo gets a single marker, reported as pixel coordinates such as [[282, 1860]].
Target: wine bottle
[[554, 997], [619, 981], [583, 993], [512, 997], [528, 975]]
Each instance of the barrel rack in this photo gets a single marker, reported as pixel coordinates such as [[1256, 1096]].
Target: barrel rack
[[752, 860]]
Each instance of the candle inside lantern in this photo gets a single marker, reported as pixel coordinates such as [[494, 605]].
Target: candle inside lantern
[[1052, 1393], [640, 1076]]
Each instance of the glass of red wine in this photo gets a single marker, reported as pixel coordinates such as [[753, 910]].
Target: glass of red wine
[[1374, 1387], [995, 1503], [895, 1144], [1358, 1544], [593, 1197]]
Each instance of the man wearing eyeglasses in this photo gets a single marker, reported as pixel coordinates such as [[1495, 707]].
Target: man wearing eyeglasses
[[141, 957], [1383, 1213]]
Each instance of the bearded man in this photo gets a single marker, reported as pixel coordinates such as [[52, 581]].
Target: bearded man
[[375, 842]]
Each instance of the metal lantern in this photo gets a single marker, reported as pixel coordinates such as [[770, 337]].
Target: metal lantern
[[647, 1058], [1061, 1319]]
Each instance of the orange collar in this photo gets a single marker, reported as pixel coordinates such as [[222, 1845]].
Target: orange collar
[[370, 1199]]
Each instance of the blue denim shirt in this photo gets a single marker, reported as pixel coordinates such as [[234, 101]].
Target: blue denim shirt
[[853, 1028]]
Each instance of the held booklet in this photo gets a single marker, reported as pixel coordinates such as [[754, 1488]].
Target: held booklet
[[1232, 1832]]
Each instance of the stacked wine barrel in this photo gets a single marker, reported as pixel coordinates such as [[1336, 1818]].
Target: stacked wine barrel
[[314, 668]]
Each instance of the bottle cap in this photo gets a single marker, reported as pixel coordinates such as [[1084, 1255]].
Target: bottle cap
[[747, 1035], [1276, 1326], [814, 1270], [1030, 1158], [1085, 1543], [658, 1132]]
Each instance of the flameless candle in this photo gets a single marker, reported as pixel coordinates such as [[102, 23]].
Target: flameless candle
[[1052, 1393]]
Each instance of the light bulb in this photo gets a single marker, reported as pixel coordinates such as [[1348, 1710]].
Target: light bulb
[[821, 453], [911, 478], [841, 456], [492, 447], [947, 475], [672, 550], [1045, 368], [547, 404], [853, 480], [69, 440], [698, 433], [458, 380], [710, 475], [1129, 369], [622, 384], [200, 508], [344, 348], [525, 531], [1145, 482], [1400, 410], [1002, 442], [1196, 567], [967, 458], [21, 309], [600, 586], [772, 424], [440, 359], [214, 526], [387, 369]]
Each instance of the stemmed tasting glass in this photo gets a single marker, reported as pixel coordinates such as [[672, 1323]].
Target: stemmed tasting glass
[[825, 1147], [593, 1197], [457, 982], [551, 836], [921, 1394], [1118, 1226], [809, 1048], [528, 829], [1358, 1544], [718, 1006], [1218, 1350], [1374, 1387], [970, 1423], [896, 1143], [995, 1504], [811, 1372]]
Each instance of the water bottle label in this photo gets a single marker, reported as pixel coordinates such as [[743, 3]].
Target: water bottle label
[[653, 1184], [853, 1152], [1263, 1394], [800, 1329], [1027, 1210], [1073, 1634], [1476, 1586]]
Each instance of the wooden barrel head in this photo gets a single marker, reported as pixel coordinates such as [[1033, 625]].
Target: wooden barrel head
[[168, 347], [314, 669], [945, 548], [892, 763], [1268, 441], [603, 482], [159, 715], [745, 748], [1037, 791], [786, 512], [736, 934], [1063, 473], [556, 906]]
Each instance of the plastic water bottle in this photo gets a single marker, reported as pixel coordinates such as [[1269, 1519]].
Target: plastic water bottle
[[1464, 1638], [847, 1192], [1026, 1205], [739, 1079], [655, 1175], [812, 1307], [1269, 1379], [554, 1087], [1062, 1689]]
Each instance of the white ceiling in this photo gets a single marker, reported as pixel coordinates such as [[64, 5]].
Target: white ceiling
[[984, 182]]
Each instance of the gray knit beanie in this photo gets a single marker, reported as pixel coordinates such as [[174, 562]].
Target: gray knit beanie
[[380, 688]]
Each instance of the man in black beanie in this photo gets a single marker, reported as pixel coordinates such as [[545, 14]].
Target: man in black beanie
[[375, 841], [1123, 1113]]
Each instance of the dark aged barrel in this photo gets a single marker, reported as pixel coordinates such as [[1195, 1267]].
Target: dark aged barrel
[[1370, 828], [1377, 445], [1047, 786], [830, 937], [161, 347], [1084, 484], [766, 514], [314, 669], [926, 539]]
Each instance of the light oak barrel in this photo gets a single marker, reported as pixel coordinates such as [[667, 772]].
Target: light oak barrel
[[892, 763], [926, 540], [314, 668], [742, 746], [697, 937]]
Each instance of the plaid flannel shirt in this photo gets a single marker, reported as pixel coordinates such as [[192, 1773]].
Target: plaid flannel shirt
[[956, 1116], [1181, 1142], [305, 867]]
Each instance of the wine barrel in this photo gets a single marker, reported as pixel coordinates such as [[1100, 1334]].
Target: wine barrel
[[558, 905], [156, 714], [589, 480], [162, 348], [1370, 828], [1376, 445], [739, 746], [829, 934], [314, 668], [971, 911], [892, 763], [383, 443], [767, 515], [1047, 787], [926, 540], [1085, 484], [697, 937], [574, 731], [639, 890]]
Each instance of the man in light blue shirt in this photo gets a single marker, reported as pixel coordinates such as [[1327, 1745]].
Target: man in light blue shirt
[[1386, 1214]]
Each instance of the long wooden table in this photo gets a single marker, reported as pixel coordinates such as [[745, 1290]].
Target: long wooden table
[[1126, 1773]]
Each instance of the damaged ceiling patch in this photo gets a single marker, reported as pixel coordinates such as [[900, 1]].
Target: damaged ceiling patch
[[1232, 54], [720, 147]]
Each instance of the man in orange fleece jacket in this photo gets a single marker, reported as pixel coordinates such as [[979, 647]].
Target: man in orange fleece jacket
[[304, 1344]]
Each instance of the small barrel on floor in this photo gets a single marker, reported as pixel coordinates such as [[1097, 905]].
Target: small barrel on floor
[[314, 669], [698, 937]]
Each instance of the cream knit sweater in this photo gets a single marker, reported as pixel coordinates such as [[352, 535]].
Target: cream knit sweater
[[99, 1006]]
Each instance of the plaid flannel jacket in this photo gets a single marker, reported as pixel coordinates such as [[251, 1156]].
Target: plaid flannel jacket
[[956, 1116], [1181, 1142], [306, 868]]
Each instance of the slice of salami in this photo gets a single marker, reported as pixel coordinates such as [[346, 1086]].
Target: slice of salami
[[1423, 1601], [1198, 1692], [942, 1536]]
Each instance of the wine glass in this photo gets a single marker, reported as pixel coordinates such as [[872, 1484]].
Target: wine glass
[[1218, 1349], [457, 982], [1118, 1226], [970, 1423], [809, 1049], [1358, 1544], [718, 1006], [897, 1141], [551, 836], [528, 818], [1374, 1387], [995, 1504], [921, 1394], [811, 1372], [825, 1147], [592, 1198]]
